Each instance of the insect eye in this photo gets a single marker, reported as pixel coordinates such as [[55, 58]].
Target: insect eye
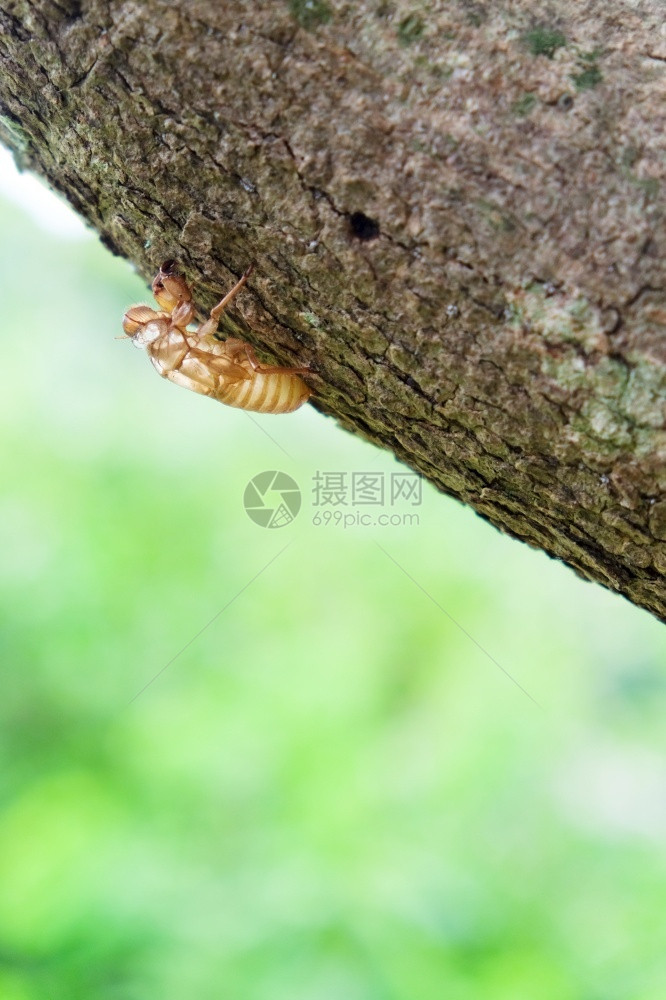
[[168, 267]]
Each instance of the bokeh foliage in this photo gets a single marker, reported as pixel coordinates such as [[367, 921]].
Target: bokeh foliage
[[332, 792]]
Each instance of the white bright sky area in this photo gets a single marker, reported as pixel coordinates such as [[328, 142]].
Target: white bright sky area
[[48, 210]]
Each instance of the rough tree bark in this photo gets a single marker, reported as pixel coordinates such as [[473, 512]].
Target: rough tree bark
[[457, 211]]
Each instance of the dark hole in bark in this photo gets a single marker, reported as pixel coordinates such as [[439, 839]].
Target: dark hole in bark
[[362, 227]]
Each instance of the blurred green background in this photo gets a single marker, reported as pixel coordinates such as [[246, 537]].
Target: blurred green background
[[332, 793]]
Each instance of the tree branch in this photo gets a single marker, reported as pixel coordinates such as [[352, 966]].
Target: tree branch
[[456, 209]]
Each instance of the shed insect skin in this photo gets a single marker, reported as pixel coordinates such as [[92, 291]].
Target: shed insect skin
[[224, 370]]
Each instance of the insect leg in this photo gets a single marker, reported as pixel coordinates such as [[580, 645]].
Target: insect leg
[[220, 365], [174, 295], [210, 326], [239, 350], [201, 371]]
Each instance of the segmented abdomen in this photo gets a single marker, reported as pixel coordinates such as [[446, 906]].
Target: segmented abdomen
[[273, 392]]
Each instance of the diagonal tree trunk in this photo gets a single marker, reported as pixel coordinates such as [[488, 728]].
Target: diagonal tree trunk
[[456, 209]]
